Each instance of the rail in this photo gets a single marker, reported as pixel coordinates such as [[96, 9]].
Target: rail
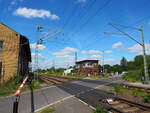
[[120, 105]]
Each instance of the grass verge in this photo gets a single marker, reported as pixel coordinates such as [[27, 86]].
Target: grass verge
[[10, 87], [133, 76], [47, 110], [100, 110], [135, 92]]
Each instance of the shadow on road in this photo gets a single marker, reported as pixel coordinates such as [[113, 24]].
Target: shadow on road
[[89, 95], [32, 99]]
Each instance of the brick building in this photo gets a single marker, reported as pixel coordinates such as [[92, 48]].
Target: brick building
[[15, 53], [87, 67]]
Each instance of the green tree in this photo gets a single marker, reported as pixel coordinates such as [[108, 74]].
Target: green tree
[[124, 64]]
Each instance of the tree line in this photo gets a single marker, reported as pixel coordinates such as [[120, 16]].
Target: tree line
[[124, 66]]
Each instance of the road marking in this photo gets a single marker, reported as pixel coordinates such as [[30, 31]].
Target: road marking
[[54, 103], [87, 104], [75, 96]]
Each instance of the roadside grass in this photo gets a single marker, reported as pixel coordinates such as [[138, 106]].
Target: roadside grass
[[100, 110], [135, 92], [147, 98], [75, 76], [47, 110], [99, 76], [10, 87], [133, 76]]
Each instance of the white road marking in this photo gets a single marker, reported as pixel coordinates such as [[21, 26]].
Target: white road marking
[[87, 104], [54, 103], [75, 97]]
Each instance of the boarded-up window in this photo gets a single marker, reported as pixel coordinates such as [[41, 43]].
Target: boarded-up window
[[0, 68], [1, 45]]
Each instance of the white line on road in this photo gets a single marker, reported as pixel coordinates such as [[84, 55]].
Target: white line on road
[[74, 96]]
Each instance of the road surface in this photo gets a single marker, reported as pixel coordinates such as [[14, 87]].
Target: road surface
[[85, 90]]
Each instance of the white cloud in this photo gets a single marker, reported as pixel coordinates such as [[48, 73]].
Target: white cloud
[[111, 61], [81, 1], [149, 23], [108, 51], [13, 2], [69, 57], [35, 13], [96, 57], [138, 48], [40, 46], [64, 53], [116, 45], [93, 52], [70, 50]]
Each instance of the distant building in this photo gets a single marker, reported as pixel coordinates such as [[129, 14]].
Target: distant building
[[67, 71], [15, 54], [87, 67]]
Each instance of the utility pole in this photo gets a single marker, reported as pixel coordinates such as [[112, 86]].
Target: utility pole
[[103, 63], [76, 57], [142, 43], [38, 42], [49, 33], [144, 56]]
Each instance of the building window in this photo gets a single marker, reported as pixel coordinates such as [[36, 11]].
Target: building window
[[1, 45]]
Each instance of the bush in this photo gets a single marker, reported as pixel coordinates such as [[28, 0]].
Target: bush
[[147, 98], [118, 88], [100, 110], [35, 84], [10, 86], [133, 76]]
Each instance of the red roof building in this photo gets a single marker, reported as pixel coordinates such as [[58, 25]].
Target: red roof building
[[87, 67]]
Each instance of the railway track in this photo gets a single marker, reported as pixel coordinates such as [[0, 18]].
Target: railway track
[[129, 86], [52, 80], [120, 105]]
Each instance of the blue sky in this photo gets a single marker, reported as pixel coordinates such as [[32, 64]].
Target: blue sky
[[82, 23]]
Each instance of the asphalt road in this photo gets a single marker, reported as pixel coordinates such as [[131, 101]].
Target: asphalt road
[[85, 90]]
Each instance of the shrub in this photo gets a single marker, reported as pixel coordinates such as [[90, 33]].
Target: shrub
[[147, 98], [118, 88], [10, 86], [100, 110], [133, 76]]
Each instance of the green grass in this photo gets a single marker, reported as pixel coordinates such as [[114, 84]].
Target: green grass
[[71, 76], [133, 76], [100, 110], [135, 92], [47, 110], [11, 86], [147, 98], [99, 76]]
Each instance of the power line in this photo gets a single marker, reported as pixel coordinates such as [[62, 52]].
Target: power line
[[89, 6], [93, 16]]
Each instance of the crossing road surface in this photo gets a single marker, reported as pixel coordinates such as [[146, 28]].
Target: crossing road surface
[[85, 90]]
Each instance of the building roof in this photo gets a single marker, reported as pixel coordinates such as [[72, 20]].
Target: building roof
[[83, 61]]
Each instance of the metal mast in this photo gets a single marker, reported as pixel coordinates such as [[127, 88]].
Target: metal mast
[[142, 43]]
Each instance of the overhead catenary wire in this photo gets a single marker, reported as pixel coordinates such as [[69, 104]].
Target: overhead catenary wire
[[82, 15], [92, 17], [113, 25]]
